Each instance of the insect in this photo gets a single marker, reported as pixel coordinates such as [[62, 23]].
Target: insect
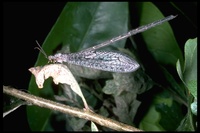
[[112, 61]]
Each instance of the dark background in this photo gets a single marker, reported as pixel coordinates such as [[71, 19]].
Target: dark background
[[26, 22], [23, 23]]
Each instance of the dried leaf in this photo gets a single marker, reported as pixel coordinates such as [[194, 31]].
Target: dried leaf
[[60, 74]]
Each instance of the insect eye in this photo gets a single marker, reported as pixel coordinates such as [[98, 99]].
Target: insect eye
[[53, 61]]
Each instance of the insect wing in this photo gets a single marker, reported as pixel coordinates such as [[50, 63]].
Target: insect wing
[[104, 60]]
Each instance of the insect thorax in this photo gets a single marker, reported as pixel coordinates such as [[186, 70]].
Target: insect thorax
[[58, 58]]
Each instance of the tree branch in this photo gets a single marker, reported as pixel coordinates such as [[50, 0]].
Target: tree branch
[[81, 113]]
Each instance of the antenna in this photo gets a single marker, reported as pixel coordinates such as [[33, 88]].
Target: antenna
[[41, 50]]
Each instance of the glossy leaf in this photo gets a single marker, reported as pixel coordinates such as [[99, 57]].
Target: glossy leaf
[[190, 68], [188, 123], [160, 40], [188, 72], [164, 114], [151, 120], [174, 86], [80, 25]]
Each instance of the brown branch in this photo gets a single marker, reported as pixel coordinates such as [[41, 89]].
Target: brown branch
[[81, 113]]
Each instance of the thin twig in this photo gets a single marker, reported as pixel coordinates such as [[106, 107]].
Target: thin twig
[[81, 113]]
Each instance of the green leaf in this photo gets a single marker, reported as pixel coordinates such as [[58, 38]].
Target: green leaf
[[79, 26], [160, 40], [93, 127], [171, 116], [179, 69], [82, 25], [189, 77], [190, 68], [164, 114], [174, 85], [187, 123], [189, 72], [151, 120]]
